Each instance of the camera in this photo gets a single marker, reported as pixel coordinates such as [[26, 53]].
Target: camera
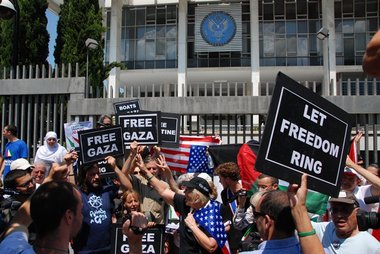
[[368, 220], [242, 192]]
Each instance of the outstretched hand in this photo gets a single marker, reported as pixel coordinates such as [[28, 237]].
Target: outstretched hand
[[161, 163], [298, 193]]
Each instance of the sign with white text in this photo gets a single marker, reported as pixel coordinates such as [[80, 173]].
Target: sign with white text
[[126, 107], [170, 124], [304, 133], [96, 144], [152, 241], [142, 127]]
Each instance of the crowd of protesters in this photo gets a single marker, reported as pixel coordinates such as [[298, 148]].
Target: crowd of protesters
[[56, 205]]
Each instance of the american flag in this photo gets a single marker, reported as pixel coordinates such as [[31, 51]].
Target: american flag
[[178, 158], [199, 160], [210, 219]]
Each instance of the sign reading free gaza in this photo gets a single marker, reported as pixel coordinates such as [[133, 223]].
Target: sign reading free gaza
[[304, 133], [96, 144]]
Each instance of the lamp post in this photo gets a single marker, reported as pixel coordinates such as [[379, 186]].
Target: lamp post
[[323, 35], [9, 9], [90, 44]]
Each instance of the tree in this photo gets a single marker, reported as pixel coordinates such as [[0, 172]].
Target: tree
[[79, 20], [33, 37]]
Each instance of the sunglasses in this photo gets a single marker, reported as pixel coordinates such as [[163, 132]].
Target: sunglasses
[[258, 214], [136, 173], [26, 184]]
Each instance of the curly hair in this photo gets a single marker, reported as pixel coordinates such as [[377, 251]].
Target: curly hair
[[228, 169]]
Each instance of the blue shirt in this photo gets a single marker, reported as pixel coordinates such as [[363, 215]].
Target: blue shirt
[[287, 245], [16, 242], [13, 151]]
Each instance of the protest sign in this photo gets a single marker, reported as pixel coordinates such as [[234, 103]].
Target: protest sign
[[304, 133], [170, 124], [71, 133], [152, 241], [126, 107], [105, 170], [142, 127], [96, 144]]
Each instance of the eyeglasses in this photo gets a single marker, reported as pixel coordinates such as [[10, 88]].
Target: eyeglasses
[[136, 173], [26, 184], [344, 210], [258, 214]]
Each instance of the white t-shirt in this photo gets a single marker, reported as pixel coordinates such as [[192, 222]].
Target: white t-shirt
[[360, 193], [363, 242]]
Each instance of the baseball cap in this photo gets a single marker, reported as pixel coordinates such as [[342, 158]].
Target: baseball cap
[[21, 164], [199, 184], [346, 198], [350, 171]]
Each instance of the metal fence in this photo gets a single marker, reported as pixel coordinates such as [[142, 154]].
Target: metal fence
[[41, 100]]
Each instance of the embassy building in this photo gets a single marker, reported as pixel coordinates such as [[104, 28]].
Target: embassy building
[[190, 45]]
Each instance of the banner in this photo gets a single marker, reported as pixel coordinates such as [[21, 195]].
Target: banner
[[126, 107], [96, 144], [142, 127], [304, 133], [170, 124], [71, 133], [152, 242]]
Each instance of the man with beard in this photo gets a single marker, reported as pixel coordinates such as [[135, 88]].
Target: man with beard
[[95, 235]]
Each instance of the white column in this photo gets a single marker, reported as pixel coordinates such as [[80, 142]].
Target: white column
[[329, 50], [114, 50], [182, 48], [255, 48]]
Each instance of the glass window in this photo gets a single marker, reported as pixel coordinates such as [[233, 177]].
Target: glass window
[[171, 49], [338, 43], [360, 26], [129, 17], [140, 32], [171, 32], [268, 28], [140, 16], [268, 45], [150, 50], [313, 11], [150, 14], [348, 7], [160, 49], [171, 12], [161, 16], [302, 26], [280, 47], [338, 10], [131, 33], [160, 31], [290, 10], [348, 26], [360, 42], [302, 46], [132, 52], [359, 8], [140, 50], [280, 27], [338, 26], [291, 27], [372, 24], [349, 51], [150, 32], [301, 8], [291, 41], [268, 11]]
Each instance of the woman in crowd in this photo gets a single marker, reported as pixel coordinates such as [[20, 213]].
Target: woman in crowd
[[51, 151]]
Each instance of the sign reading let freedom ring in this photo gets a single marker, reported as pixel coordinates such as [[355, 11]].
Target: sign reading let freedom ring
[[304, 133]]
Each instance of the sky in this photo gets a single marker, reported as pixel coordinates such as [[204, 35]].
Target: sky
[[52, 29]]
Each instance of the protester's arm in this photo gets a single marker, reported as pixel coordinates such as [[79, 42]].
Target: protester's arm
[[166, 193], [371, 59], [208, 243], [128, 165], [161, 163], [135, 240], [375, 180], [65, 171], [124, 180], [309, 241], [1, 166]]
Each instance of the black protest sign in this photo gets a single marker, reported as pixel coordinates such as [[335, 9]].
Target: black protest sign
[[152, 242], [126, 107], [170, 124], [105, 170], [304, 133], [142, 127], [96, 144]]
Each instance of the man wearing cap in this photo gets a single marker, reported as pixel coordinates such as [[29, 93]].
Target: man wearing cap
[[201, 226], [14, 149], [351, 182], [341, 235]]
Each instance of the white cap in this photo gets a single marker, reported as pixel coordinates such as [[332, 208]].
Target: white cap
[[205, 176], [21, 164]]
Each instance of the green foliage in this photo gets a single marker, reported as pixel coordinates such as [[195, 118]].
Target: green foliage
[[33, 37], [79, 20]]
